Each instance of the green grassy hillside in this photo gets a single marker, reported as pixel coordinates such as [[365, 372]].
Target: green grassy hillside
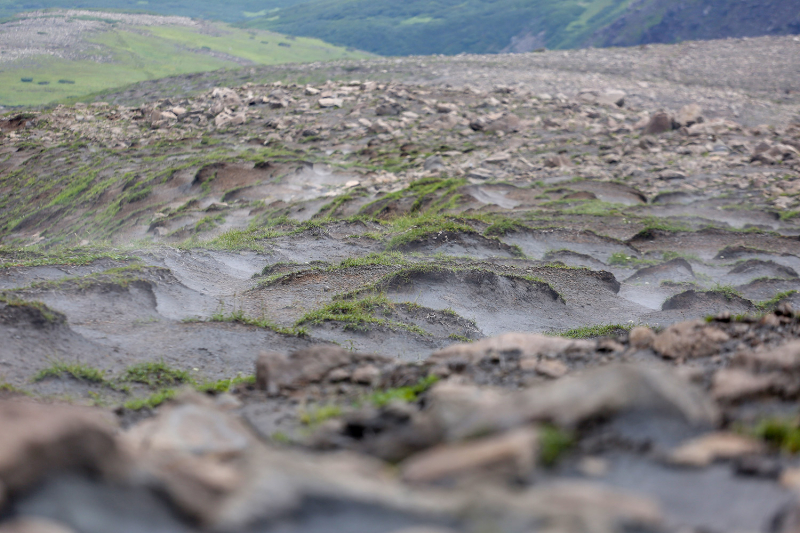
[[234, 11], [135, 53], [444, 26]]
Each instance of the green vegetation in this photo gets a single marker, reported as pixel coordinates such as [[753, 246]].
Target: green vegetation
[[729, 291], [373, 259], [503, 226], [238, 316], [150, 402], [58, 255], [554, 443], [224, 385], [76, 370], [448, 27], [591, 332], [402, 394], [358, 315], [781, 433], [766, 305], [152, 52], [317, 415], [50, 316], [157, 374]]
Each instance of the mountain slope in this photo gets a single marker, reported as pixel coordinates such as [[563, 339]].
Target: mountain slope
[[445, 26], [61, 54], [657, 21], [490, 26], [234, 11]]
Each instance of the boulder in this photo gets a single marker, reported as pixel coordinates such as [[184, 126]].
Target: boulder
[[514, 451], [41, 440], [330, 102], [608, 97], [496, 122], [603, 393], [659, 123], [276, 372], [691, 339], [689, 114], [525, 345], [227, 97]]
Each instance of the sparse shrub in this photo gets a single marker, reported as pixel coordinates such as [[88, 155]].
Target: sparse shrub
[[67, 82], [26, 80]]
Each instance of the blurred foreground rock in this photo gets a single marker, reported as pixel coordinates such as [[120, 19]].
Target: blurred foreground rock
[[459, 442]]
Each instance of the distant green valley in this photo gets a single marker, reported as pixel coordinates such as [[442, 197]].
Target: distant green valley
[[64, 54]]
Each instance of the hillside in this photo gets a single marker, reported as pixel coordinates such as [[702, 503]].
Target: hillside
[[657, 21], [233, 11], [61, 54], [480, 26], [445, 26]]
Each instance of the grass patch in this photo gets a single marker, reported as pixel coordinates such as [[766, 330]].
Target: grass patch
[[224, 385], [50, 316], [502, 227], [767, 305], [373, 259], [317, 415], [426, 226], [402, 394], [729, 291], [75, 370], [150, 402], [591, 332], [781, 433], [157, 374], [554, 443], [358, 315], [39, 256], [238, 316]]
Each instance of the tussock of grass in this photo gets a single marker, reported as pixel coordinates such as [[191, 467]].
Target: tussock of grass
[[239, 317], [403, 394], [150, 402], [38, 256], [76, 370], [426, 227], [554, 443], [53, 317], [373, 259], [224, 385], [502, 227], [781, 433], [591, 332], [729, 291], [774, 301], [317, 415], [155, 374], [237, 239], [358, 315]]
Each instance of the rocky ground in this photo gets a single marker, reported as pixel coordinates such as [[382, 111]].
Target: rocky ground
[[510, 293]]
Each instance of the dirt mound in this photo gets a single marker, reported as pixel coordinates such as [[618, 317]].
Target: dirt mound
[[536, 243], [708, 302], [460, 244], [676, 270]]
